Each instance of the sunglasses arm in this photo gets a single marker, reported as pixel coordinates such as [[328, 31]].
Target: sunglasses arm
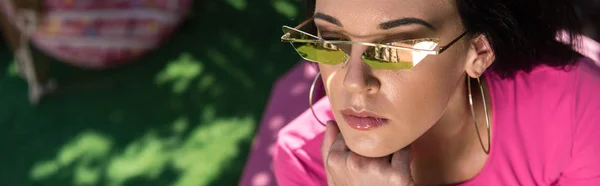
[[304, 23], [443, 48]]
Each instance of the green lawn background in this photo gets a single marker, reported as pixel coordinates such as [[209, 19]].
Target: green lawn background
[[182, 115]]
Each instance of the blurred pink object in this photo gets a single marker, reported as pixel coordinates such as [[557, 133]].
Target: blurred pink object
[[100, 34], [289, 98]]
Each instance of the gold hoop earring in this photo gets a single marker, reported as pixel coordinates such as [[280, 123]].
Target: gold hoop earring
[[487, 119], [310, 97]]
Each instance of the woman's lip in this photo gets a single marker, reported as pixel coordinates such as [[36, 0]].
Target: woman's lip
[[363, 120], [361, 114]]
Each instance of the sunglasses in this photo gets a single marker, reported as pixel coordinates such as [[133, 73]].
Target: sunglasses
[[393, 55]]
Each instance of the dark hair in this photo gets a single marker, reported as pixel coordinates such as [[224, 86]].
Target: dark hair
[[589, 16], [522, 33]]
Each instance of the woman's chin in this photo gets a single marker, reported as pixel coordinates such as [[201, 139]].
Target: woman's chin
[[375, 143], [375, 148], [372, 151]]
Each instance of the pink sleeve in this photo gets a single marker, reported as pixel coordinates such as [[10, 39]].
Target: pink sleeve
[[584, 168], [288, 169], [297, 154]]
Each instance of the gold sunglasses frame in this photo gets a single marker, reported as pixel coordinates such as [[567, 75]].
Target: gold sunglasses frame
[[439, 50]]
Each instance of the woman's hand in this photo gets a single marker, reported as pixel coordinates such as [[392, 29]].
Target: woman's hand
[[346, 168]]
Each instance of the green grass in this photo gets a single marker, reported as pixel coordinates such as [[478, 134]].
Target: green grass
[[184, 114]]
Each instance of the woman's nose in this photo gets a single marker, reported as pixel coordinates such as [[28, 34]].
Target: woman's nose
[[359, 77]]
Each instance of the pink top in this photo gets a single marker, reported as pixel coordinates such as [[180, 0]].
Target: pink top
[[546, 132]]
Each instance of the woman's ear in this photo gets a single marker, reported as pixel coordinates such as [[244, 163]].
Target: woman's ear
[[480, 56]]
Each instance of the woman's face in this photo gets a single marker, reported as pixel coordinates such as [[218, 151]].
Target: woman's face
[[382, 111]]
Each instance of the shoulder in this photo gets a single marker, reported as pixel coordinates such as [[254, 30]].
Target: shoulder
[[584, 164], [581, 80], [588, 72], [547, 119], [545, 82], [584, 69], [562, 98], [586, 90], [567, 99]]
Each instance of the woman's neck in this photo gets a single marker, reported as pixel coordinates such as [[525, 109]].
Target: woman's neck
[[450, 150]]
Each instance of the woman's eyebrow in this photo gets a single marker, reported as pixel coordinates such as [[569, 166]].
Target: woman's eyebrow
[[404, 21], [328, 18], [384, 26]]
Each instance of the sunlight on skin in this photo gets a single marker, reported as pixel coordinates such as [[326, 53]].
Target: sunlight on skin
[[238, 4], [285, 8], [328, 82], [180, 73], [197, 158]]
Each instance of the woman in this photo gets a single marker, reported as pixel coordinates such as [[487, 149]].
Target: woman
[[426, 92]]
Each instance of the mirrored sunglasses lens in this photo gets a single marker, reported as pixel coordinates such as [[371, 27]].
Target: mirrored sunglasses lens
[[383, 57], [312, 49]]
